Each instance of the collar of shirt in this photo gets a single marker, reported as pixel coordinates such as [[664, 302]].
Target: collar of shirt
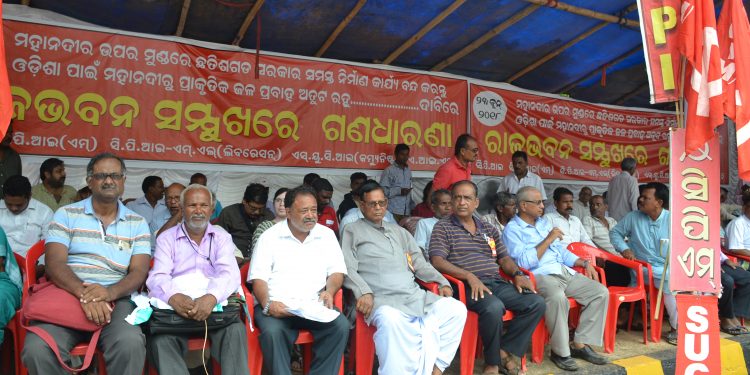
[[285, 232], [478, 223], [88, 209], [662, 216], [458, 164], [182, 233], [380, 227], [142, 200]]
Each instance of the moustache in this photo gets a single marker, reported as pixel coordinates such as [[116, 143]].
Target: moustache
[[198, 217], [309, 220]]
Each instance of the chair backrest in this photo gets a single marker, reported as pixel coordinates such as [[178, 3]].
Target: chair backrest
[[21, 261], [35, 252], [592, 253]]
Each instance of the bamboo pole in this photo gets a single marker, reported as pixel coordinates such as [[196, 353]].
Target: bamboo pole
[[484, 38], [610, 63], [342, 25], [248, 20], [585, 12], [183, 18], [657, 311], [424, 30]]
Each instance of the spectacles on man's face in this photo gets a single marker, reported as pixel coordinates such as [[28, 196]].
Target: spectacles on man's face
[[373, 204], [535, 202], [104, 176], [473, 150]]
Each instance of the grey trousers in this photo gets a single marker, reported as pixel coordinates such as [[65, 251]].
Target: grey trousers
[[228, 346], [594, 299], [123, 345]]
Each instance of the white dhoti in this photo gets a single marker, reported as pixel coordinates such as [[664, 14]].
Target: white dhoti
[[410, 345]]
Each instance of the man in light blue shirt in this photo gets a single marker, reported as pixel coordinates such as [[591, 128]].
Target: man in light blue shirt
[[647, 231], [535, 245]]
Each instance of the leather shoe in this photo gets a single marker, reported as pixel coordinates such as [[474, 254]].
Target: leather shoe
[[565, 363], [588, 354]]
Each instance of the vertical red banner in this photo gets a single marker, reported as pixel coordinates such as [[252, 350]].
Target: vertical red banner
[[659, 20], [694, 178], [698, 343]]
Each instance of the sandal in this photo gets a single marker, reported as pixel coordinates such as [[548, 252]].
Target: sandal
[[504, 363], [672, 337], [743, 330], [734, 331]]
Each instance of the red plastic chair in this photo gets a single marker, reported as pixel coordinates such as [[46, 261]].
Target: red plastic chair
[[305, 337], [363, 345], [32, 257], [617, 294]]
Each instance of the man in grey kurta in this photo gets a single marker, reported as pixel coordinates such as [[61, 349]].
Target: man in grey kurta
[[417, 332]]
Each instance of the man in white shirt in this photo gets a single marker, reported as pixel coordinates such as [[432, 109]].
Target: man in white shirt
[[521, 176], [622, 192], [298, 264], [581, 205], [24, 219], [738, 230], [442, 207], [597, 226], [151, 205], [563, 218]]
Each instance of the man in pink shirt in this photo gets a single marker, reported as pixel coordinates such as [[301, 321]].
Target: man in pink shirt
[[458, 168]]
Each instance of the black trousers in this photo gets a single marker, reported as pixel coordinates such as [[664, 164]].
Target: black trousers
[[528, 309], [278, 335], [735, 300]]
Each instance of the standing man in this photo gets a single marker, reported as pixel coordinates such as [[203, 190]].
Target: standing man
[[24, 219], [326, 213], [581, 205], [535, 245], [172, 199], [417, 331], [10, 161], [355, 181], [52, 191], [622, 192], [521, 176], [241, 219], [396, 182], [458, 168], [563, 219], [738, 230], [194, 270], [647, 231], [81, 236], [442, 207], [298, 263], [151, 205], [470, 249]]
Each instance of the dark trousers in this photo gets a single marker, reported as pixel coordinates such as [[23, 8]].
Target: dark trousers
[[228, 346], [735, 299], [123, 345], [278, 335], [528, 309], [617, 275]]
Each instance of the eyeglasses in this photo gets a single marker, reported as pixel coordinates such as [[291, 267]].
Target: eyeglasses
[[535, 202], [104, 176], [474, 150], [373, 204]]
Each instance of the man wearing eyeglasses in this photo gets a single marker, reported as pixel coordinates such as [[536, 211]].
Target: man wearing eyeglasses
[[535, 245], [98, 250], [417, 331], [458, 168]]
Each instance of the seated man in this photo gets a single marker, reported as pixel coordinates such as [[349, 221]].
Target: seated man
[[296, 264], [11, 283], [355, 213], [597, 226], [503, 211], [52, 191], [24, 219], [442, 207], [326, 213], [98, 250], [735, 297], [738, 230], [355, 181], [535, 245], [172, 199], [647, 231], [470, 249], [241, 219], [581, 206], [151, 205], [562, 218], [417, 331], [194, 269]]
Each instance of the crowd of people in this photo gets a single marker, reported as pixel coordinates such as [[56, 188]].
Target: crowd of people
[[300, 251]]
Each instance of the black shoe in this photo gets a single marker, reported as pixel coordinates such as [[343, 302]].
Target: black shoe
[[588, 354], [565, 363]]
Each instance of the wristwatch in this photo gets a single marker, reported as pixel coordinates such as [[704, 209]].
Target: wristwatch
[[266, 308], [518, 273]]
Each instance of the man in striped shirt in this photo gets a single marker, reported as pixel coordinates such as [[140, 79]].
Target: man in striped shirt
[[99, 251], [470, 249]]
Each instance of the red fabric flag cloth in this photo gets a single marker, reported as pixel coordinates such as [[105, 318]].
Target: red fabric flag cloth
[[6, 100], [734, 39], [698, 42]]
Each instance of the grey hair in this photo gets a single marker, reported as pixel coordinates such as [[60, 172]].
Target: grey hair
[[195, 187], [524, 193], [628, 164], [503, 198]]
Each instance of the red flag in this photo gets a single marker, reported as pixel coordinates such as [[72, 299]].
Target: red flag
[[6, 100], [698, 42], [734, 37]]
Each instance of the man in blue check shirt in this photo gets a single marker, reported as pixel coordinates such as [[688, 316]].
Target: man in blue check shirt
[[535, 245]]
